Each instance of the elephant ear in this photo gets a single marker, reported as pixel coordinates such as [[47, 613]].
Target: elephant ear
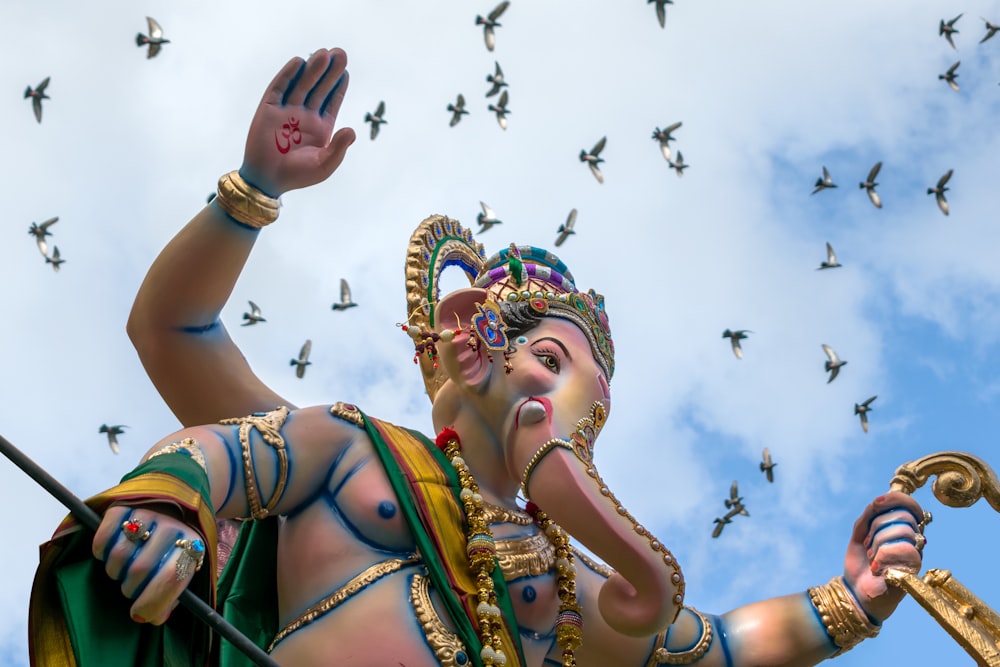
[[437, 243]]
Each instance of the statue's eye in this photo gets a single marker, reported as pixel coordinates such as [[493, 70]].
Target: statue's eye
[[549, 360]]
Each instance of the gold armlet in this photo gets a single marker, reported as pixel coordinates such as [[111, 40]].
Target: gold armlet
[[187, 446], [245, 203], [538, 456], [269, 426], [842, 617], [662, 656]]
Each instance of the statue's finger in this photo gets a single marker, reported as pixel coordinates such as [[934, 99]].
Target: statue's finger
[[159, 594], [333, 100], [315, 67], [149, 562], [282, 81], [316, 97], [108, 531], [333, 154]]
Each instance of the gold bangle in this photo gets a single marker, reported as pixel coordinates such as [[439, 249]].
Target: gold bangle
[[269, 426], [842, 617], [538, 456], [244, 203], [188, 446], [663, 656]]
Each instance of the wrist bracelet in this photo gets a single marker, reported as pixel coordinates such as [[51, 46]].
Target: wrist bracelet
[[842, 618], [244, 203]]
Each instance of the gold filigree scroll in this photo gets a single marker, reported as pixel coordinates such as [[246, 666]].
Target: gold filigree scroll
[[962, 479]]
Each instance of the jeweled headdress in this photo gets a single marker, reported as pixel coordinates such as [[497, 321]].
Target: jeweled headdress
[[519, 273]]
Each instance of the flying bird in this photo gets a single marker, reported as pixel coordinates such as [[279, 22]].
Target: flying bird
[[661, 10], [824, 182], [720, 523], [593, 159], [947, 28], [950, 76], [735, 500], [487, 218], [496, 79], [303, 360], [566, 229], [990, 31], [501, 110], [862, 411], [767, 465], [113, 433], [679, 165], [832, 363], [345, 297], [457, 110], [490, 23], [939, 190], [40, 232], [735, 337], [376, 119], [869, 185], [254, 316], [37, 94], [831, 259], [155, 39], [665, 136], [55, 260]]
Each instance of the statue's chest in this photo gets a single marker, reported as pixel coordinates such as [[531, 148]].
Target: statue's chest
[[361, 495]]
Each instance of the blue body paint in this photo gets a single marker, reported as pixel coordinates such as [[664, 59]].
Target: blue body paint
[[822, 626], [720, 632], [155, 571], [386, 509], [201, 328]]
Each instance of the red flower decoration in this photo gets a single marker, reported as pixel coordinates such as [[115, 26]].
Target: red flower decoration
[[446, 435]]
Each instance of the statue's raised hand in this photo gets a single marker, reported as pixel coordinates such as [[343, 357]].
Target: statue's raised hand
[[888, 534], [291, 143], [152, 555]]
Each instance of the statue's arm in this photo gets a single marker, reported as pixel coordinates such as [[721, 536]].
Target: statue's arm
[[790, 630], [175, 328], [257, 466], [174, 323]]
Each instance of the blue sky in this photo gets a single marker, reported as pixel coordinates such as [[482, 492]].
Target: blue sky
[[768, 94]]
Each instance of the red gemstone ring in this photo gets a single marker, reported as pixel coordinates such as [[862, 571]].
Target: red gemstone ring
[[135, 531]]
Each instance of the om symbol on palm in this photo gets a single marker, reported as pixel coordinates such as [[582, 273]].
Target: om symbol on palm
[[290, 134]]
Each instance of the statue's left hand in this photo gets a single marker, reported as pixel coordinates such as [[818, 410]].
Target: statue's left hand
[[291, 143], [888, 534]]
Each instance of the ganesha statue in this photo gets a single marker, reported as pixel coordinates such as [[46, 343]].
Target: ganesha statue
[[361, 542]]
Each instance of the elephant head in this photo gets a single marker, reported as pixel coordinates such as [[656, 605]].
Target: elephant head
[[524, 314], [544, 415]]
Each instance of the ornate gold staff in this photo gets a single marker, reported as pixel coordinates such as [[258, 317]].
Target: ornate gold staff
[[962, 479]]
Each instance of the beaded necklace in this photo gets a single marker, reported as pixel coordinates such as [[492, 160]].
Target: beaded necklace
[[481, 550]]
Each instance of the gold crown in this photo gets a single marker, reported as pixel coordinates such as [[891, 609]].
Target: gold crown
[[518, 273]]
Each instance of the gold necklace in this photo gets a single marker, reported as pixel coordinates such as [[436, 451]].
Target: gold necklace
[[482, 551]]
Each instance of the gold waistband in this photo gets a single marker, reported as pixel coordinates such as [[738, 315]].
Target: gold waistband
[[357, 583]]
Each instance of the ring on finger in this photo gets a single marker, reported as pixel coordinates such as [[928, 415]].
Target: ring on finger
[[135, 531], [919, 541], [191, 559], [927, 518]]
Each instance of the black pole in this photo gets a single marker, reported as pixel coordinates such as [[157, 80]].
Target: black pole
[[91, 520]]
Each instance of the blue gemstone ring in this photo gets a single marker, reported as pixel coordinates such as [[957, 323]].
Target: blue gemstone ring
[[191, 558]]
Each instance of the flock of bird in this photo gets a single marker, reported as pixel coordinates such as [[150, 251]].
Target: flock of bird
[[499, 86], [833, 362], [487, 218]]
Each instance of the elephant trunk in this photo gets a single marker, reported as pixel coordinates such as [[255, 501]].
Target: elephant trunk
[[647, 590]]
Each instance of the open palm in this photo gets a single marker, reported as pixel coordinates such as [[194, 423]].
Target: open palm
[[291, 143]]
